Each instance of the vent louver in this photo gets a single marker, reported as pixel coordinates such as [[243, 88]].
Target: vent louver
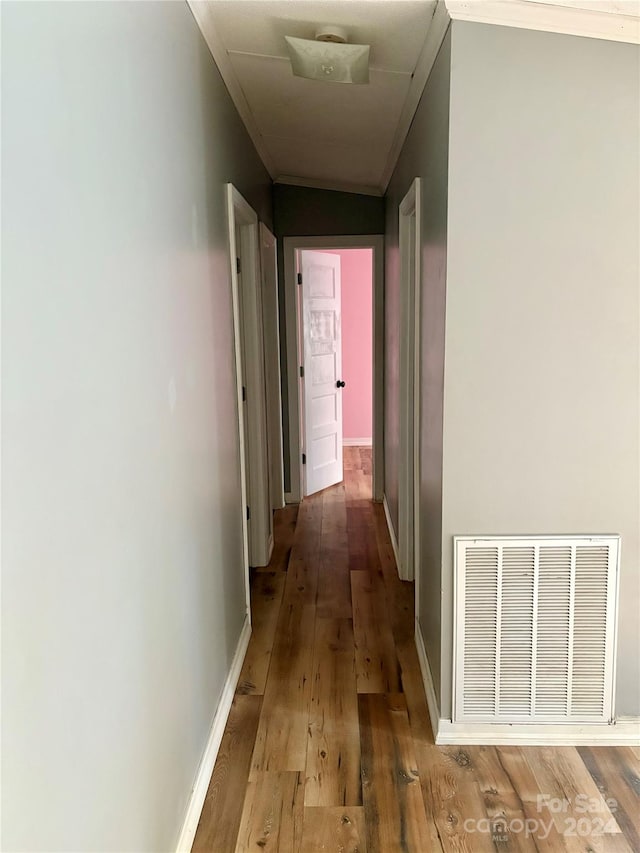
[[535, 628]]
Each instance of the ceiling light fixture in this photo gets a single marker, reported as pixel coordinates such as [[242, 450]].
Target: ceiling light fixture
[[329, 57]]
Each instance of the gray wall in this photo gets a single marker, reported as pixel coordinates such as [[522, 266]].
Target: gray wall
[[306, 212], [424, 155], [122, 585], [541, 421]]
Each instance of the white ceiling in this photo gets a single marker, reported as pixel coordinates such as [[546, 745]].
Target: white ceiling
[[342, 136], [310, 131]]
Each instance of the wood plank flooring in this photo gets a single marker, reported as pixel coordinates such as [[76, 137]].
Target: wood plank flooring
[[328, 746]]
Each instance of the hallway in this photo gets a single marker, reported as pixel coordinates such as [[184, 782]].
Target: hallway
[[163, 164], [328, 746]]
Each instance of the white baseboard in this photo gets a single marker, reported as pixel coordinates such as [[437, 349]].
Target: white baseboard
[[625, 731], [619, 733], [427, 680], [203, 776], [357, 442], [392, 533]]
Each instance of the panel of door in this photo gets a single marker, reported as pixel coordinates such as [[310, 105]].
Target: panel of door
[[322, 381]]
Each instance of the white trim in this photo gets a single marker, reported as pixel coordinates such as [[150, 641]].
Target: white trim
[[620, 733], [392, 533], [553, 16], [357, 442], [334, 186], [271, 327], [410, 228], [237, 351], [294, 495], [378, 371], [427, 680], [202, 11], [254, 461], [205, 770], [270, 546], [435, 36], [291, 245]]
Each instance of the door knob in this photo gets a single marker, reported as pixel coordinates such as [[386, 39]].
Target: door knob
[[340, 383]]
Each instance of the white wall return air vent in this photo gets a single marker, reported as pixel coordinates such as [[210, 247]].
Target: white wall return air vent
[[534, 633]]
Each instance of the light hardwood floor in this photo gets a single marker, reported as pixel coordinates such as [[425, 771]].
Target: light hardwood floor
[[328, 746]]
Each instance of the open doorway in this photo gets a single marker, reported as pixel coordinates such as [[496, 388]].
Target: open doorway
[[336, 356], [333, 289]]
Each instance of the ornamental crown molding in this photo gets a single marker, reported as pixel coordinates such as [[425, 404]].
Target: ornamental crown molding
[[612, 20]]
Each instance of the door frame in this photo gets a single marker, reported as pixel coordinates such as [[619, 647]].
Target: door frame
[[254, 469], [271, 321], [291, 245], [410, 385]]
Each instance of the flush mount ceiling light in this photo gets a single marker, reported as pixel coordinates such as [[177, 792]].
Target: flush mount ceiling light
[[329, 57]]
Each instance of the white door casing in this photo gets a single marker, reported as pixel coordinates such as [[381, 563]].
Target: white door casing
[[410, 346], [233, 198], [271, 323], [322, 365], [243, 369], [244, 260]]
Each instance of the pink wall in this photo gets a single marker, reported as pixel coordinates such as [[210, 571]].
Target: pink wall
[[357, 341]]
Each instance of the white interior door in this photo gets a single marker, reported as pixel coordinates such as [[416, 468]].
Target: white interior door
[[322, 366]]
